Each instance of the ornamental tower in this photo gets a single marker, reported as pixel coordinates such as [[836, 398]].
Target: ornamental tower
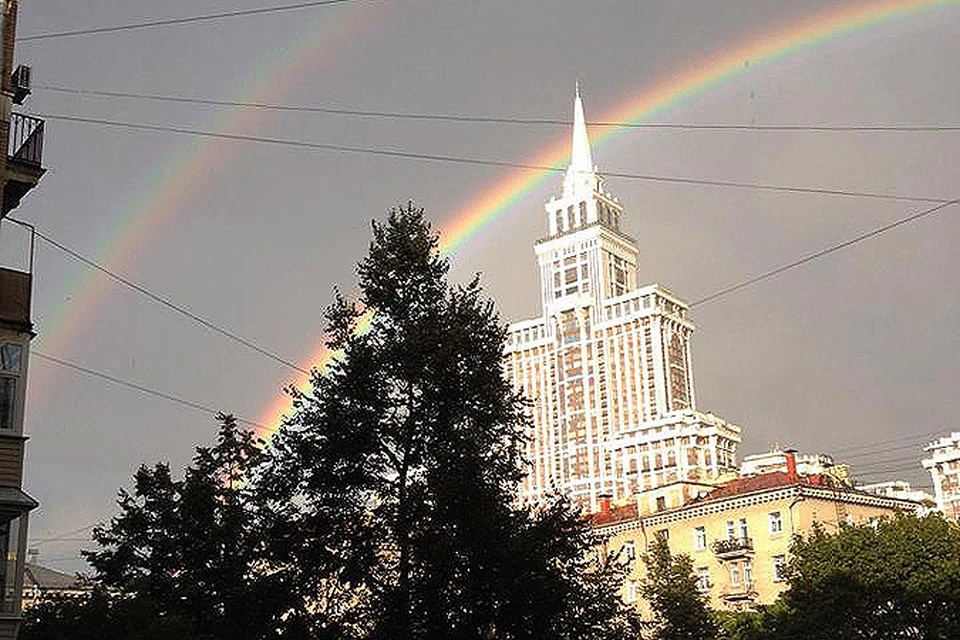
[[607, 364]]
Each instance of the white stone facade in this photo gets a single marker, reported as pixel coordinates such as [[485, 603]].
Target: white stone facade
[[944, 467], [607, 365]]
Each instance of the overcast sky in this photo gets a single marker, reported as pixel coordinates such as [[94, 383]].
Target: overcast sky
[[856, 348]]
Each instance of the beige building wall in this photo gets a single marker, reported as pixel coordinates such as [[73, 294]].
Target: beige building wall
[[737, 543]]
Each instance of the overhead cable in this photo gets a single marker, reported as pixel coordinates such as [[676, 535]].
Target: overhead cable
[[166, 302], [823, 252], [138, 387], [397, 153], [508, 120], [170, 22]]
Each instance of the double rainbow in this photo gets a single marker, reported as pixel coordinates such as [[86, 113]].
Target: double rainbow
[[333, 32]]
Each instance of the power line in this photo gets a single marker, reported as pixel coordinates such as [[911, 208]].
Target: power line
[[509, 120], [169, 22], [396, 153], [162, 300], [823, 252], [920, 437], [61, 536], [138, 387]]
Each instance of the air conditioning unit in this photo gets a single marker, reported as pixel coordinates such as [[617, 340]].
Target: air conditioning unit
[[21, 83]]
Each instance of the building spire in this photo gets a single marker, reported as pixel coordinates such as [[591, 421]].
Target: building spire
[[580, 158]]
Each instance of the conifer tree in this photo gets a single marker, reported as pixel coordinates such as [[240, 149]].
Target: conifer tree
[[401, 466]]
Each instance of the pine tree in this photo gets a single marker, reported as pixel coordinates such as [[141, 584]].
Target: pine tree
[[192, 548], [401, 466]]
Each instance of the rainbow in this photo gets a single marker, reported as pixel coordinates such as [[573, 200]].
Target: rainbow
[[650, 102], [330, 33], [318, 42]]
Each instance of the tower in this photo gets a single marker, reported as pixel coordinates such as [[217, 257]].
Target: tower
[[607, 364]]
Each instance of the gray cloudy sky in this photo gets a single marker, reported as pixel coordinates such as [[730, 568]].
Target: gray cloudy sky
[[856, 348]]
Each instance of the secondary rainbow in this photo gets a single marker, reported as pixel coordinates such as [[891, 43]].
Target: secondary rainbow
[[649, 102], [320, 41]]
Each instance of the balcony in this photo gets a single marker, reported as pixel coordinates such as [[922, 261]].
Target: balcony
[[24, 159], [740, 591], [732, 548], [15, 289]]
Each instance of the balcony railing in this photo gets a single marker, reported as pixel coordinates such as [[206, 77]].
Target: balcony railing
[[26, 139], [740, 591], [732, 547]]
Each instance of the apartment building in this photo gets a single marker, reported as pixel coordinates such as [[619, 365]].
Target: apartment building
[[738, 534], [943, 463], [20, 170]]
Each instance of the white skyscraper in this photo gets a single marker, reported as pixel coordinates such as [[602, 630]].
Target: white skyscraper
[[607, 364]]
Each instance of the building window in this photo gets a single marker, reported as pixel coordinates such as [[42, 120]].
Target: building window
[[631, 591], [776, 523], [629, 550], [8, 398], [11, 356], [571, 221], [703, 578], [699, 538], [661, 503], [559, 221], [731, 530], [747, 571], [779, 568], [583, 212], [735, 573], [744, 534], [662, 535]]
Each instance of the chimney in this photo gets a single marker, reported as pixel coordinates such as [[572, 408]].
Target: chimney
[[791, 455], [604, 501]]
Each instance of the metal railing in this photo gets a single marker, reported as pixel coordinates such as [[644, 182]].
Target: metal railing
[[732, 546], [26, 139]]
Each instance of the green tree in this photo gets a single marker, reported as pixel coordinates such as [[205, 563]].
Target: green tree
[[192, 549], [401, 466], [899, 578], [679, 608], [100, 616]]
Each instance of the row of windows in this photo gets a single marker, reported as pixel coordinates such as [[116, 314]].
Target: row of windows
[[774, 527], [741, 572]]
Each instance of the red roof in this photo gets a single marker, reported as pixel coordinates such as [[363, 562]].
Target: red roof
[[774, 480], [616, 514]]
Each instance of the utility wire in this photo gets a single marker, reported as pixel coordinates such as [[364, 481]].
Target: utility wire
[[823, 252], [138, 387], [161, 299], [396, 153], [169, 22], [510, 120]]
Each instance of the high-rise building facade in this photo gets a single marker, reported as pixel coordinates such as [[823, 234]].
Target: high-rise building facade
[[943, 464], [607, 364]]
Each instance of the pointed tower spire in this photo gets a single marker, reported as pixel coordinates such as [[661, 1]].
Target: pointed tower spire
[[580, 158]]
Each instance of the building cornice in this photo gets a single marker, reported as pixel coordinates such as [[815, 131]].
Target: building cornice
[[733, 503]]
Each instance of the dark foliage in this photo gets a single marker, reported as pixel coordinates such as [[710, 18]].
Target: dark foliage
[[191, 549], [384, 508], [402, 465], [679, 608]]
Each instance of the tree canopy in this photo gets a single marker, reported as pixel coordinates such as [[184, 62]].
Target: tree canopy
[[895, 578], [404, 460], [385, 506], [679, 607]]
